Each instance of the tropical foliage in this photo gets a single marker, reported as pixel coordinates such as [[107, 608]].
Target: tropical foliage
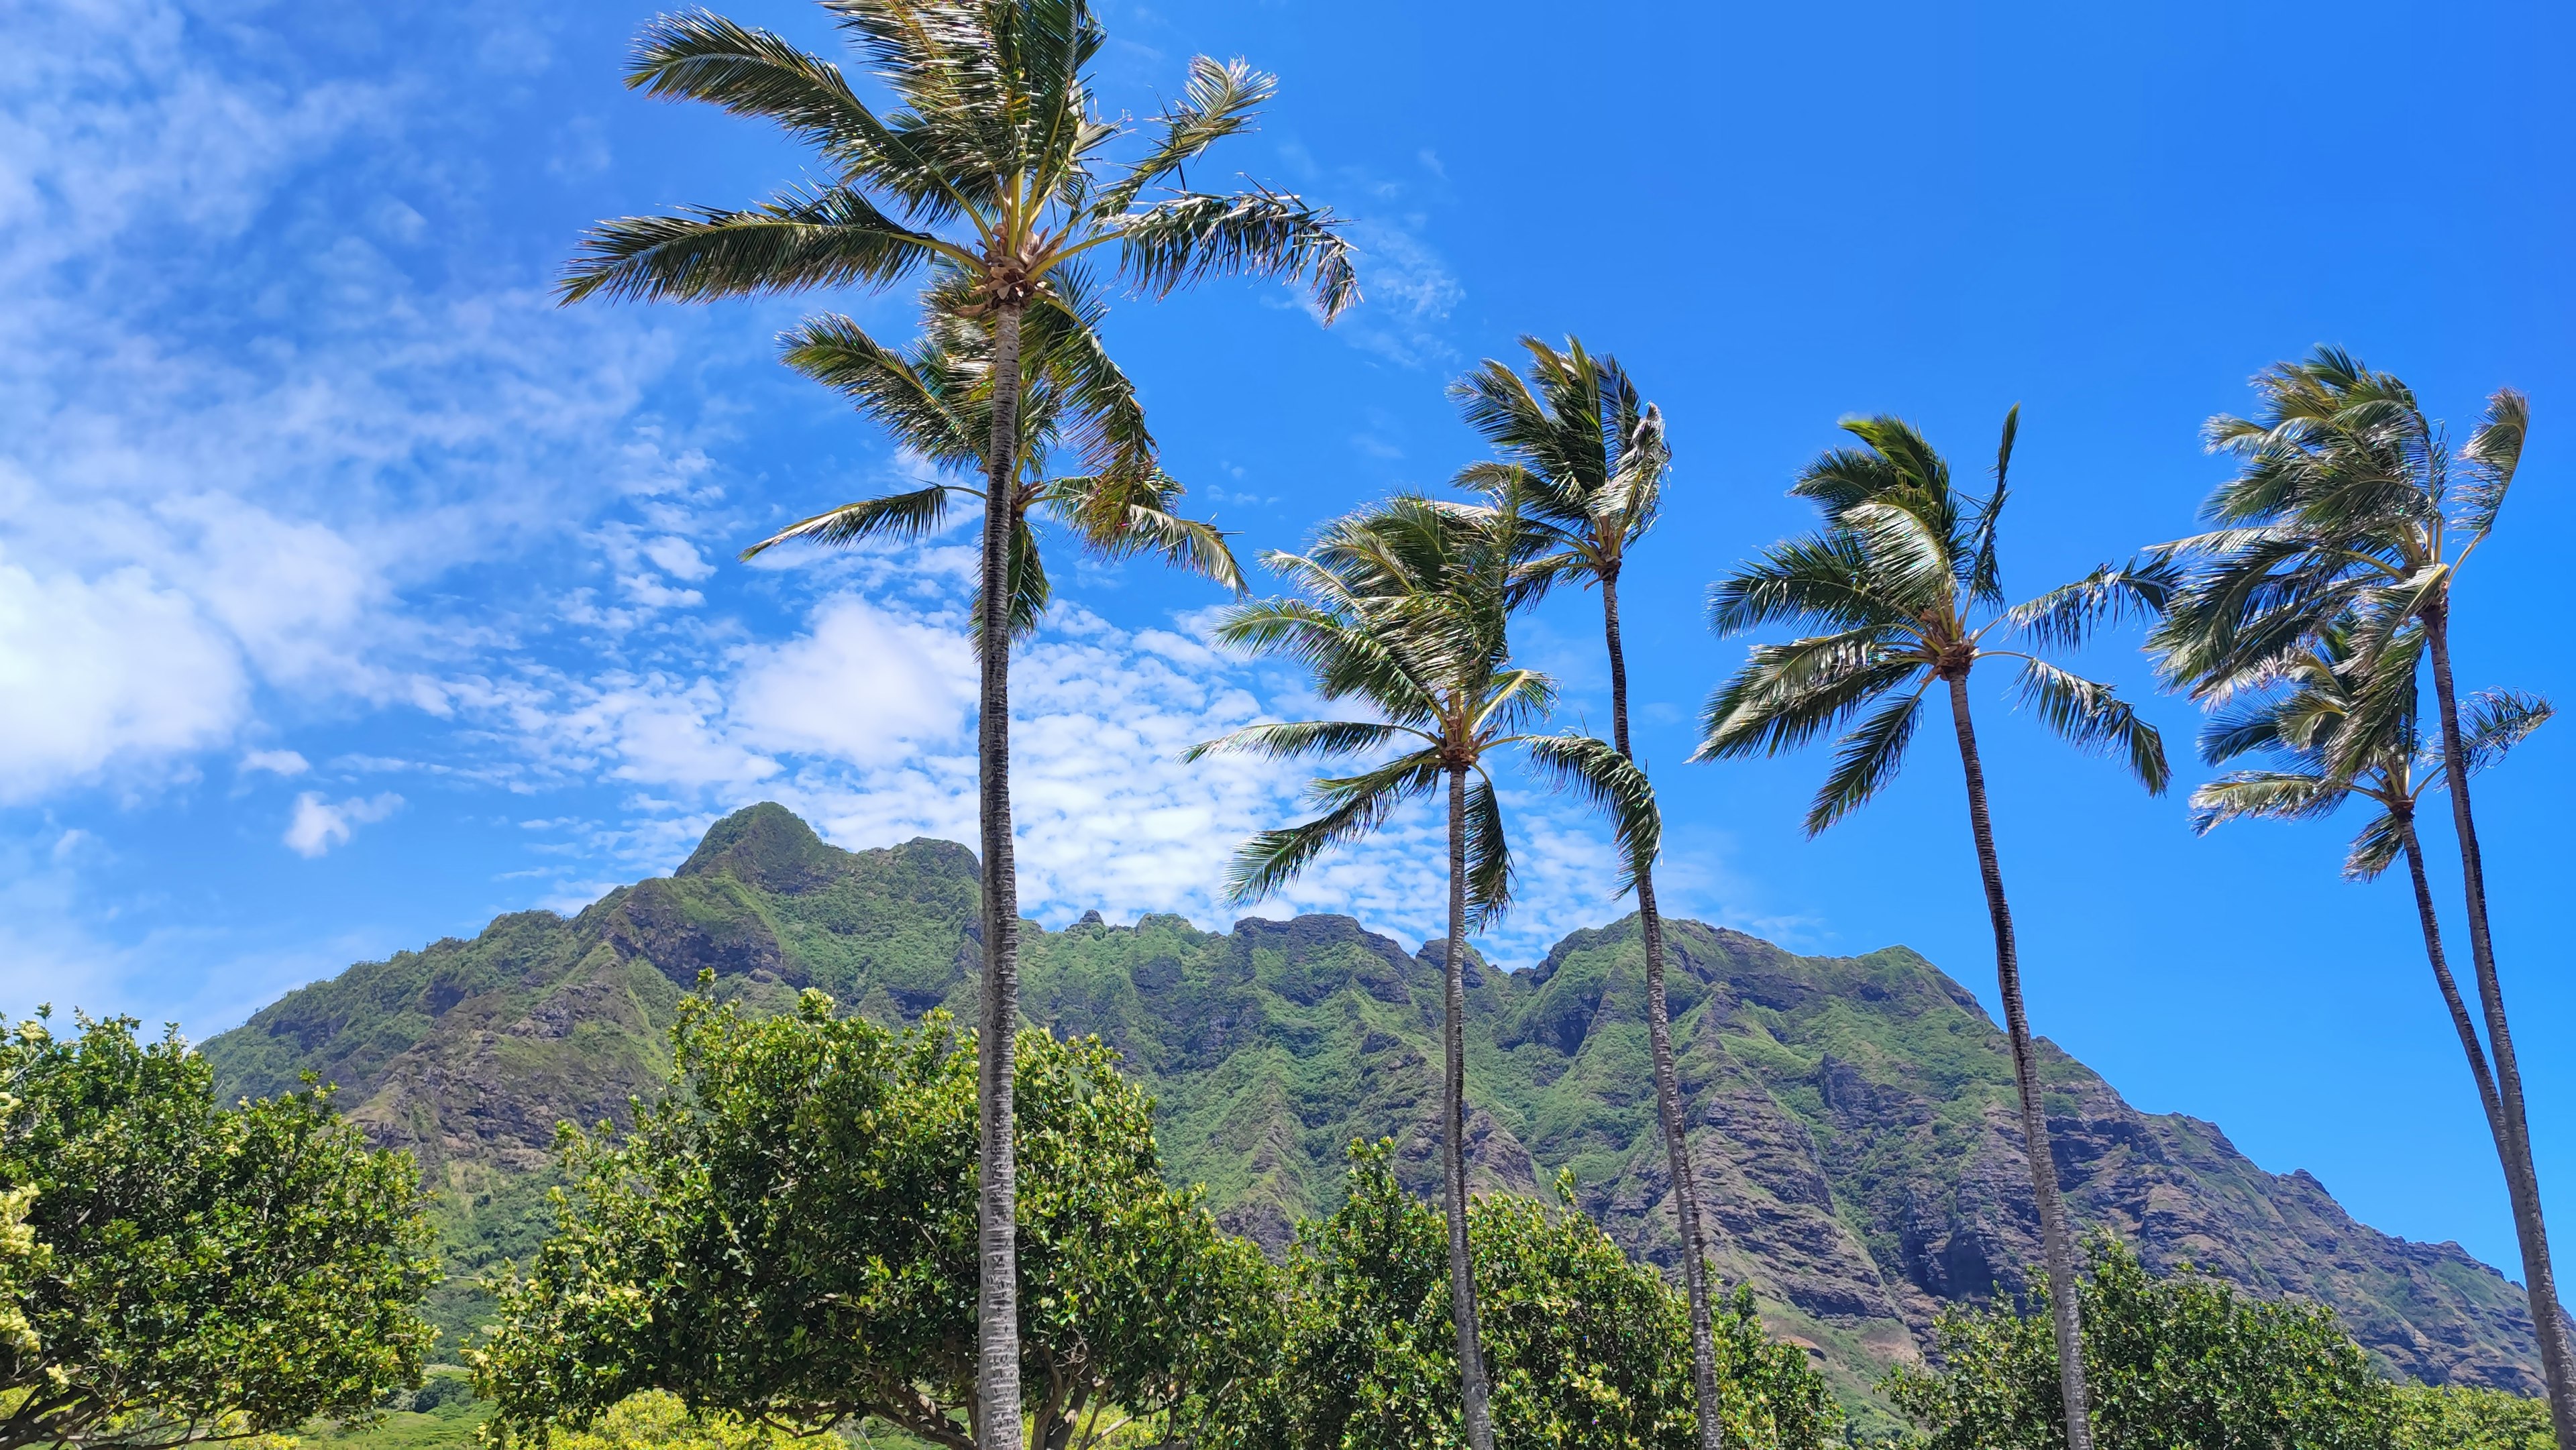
[[186, 1272], [2177, 1362], [790, 1238], [1587, 1349]]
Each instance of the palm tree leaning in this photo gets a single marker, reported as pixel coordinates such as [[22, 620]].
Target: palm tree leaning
[[1585, 455], [2302, 718], [2346, 514], [1904, 583], [1402, 610], [993, 162]]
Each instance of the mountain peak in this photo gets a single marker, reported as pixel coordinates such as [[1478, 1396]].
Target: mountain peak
[[766, 846]]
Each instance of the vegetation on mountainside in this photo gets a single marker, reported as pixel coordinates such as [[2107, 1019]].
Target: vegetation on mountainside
[[992, 173], [185, 1272], [1404, 611]]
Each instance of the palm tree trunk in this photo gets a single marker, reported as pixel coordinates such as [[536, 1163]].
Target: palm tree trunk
[[2442, 978], [2058, 1246], [1668, 1092], [2522, 1180], [997, 1302], [1474, 1388]]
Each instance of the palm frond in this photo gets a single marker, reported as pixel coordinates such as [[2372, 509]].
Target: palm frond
[[1612, 783], [1489, 856], [2092, 716], [1361, 804], [2066, 616], [1985, 570], [2496, 721], [1788, 694], [1867, 759], [1256, 233], [886, 387], [2377, 846], [2271, 795], [1300, 739], [1820, 579], [1218, 101], [797, 241], [911, 515], [2490, 457]]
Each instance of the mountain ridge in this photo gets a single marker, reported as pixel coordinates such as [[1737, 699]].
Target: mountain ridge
[[1851, 1117]]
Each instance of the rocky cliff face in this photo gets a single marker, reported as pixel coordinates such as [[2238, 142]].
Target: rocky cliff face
[[1852, 1117]]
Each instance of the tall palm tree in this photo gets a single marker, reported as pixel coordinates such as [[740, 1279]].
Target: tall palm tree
[[1585, 455], [1402, 610], [993, 161], [2349, 505], [2311, 697], [1904, 582]]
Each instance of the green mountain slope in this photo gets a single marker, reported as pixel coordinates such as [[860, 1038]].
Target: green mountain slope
[[1852, 1116]]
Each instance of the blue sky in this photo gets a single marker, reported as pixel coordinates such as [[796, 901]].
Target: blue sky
[[350, 592]]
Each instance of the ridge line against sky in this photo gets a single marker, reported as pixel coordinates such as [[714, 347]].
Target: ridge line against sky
[[368, 594]]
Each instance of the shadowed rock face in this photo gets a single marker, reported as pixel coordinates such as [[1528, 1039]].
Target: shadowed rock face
[[1851, 1118]]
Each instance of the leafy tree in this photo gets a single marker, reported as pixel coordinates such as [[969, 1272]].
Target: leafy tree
[[790, 1238], [1905, 583], [2351, 512], [2466, 1417], [1403, 609], [1586, 1347], [188, 1272], [2177, 1362], [993, 174], [1586, 457], [2301, 713]]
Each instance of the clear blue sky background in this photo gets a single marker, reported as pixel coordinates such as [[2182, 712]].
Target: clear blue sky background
[[351, 593]]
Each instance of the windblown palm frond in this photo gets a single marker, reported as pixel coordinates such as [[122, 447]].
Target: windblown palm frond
[[1580, 450]]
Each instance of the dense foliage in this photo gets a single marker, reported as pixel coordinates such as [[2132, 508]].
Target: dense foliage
[[791, 1236], [2177, 1362], [186, 1272], [1586, 1347]]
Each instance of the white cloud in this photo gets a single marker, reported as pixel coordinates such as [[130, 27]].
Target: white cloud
[[276, 762], [319, 825]]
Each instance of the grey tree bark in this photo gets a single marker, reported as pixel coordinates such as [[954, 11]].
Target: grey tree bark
[[2513, 1144], [2450, 987], [1668, 1092], [1474, 1388], [2058, 1246], [997, 1301]]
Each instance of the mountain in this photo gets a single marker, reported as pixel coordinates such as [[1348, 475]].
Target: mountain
[[1852, 1116]]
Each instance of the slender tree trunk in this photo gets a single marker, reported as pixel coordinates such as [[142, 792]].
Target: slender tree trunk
[[2054, 1239], [1474, 1388], [2460, 1021], [997, 1304], [2522, 1180], [1668, 1092]]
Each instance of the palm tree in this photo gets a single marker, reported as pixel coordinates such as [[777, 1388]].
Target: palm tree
[[2308, 699], [1585, 455], [993, 162], [1904, 582], [2346, 509], [1402, 610]]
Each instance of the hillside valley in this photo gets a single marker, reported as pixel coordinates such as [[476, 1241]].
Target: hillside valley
[[1852, 1116]]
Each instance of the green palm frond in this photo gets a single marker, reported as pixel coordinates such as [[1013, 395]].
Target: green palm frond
[[884, 385], [1816, 580], [2271, 795], [1218, 101], [1595, 771], [2490, 457], [1788, 694], [1301, 739], [2377, 847], [2092, 716], [2065, 617], [2498, 720], [1867, 758], [1985, 569], [1360, 804], [912, 515], [1261, 232], [795, 242], [1489, 855]]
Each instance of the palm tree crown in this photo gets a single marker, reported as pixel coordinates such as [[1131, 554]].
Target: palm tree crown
[[1904, 586], [936, 399], [991, 160], [1583, 451]]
